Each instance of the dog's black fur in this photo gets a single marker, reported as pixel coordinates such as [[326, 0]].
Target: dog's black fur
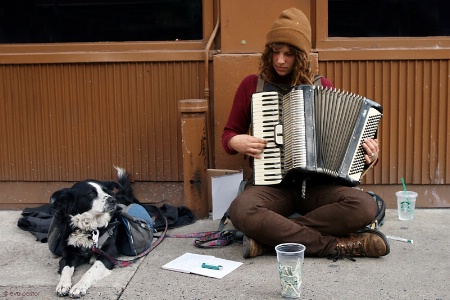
[[86, 206]]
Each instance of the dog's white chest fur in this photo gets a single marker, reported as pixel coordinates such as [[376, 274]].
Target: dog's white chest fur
[[85, 224]]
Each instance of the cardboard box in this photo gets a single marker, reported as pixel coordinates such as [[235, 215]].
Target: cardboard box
[[223, 186]]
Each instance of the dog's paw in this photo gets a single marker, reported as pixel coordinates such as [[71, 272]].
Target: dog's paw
[[65, 282], [62, 290], [78, 290]]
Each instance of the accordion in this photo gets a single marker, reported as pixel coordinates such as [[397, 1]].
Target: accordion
[[312, 130]]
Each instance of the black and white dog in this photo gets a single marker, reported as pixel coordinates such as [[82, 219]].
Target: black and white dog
[[83, 209]]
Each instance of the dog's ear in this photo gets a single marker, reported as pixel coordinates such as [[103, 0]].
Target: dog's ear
[[56, 197], [62, 199]]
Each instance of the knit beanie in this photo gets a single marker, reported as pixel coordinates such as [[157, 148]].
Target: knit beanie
[[292, 27]]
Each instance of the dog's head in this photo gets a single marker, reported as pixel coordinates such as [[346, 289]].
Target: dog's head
[[89, 205], [95, 197]]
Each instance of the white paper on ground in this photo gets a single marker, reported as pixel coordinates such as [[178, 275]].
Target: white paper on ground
[[192, 263]]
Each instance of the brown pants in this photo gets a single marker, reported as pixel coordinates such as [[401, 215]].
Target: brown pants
[[327, 212]]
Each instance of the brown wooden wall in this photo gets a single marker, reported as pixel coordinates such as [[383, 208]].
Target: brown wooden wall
[[67, 122]]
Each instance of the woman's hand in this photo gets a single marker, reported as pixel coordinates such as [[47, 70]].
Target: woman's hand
[[248, 145], [371, 148]]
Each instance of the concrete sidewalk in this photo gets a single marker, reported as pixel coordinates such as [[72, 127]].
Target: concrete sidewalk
[[419, 271]]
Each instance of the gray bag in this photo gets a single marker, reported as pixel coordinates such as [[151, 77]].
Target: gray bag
[[138, 228]]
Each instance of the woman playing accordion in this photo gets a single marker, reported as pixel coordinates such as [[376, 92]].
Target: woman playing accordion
[[330, 215]]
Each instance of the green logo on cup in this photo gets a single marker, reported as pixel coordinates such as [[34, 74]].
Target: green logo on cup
[[405, 206]]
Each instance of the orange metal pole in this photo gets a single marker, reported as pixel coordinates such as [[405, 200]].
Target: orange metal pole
[[195, 154]]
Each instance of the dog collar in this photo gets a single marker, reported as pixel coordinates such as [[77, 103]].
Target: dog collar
[[98, 239]]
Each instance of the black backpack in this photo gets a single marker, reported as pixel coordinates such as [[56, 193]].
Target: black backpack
[[134, 222]]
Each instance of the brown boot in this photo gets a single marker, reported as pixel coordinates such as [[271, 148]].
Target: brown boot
[[252, 248], [370, 243]]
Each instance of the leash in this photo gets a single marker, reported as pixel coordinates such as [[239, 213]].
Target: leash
[[213, 239], [127, 262], [209, 239]]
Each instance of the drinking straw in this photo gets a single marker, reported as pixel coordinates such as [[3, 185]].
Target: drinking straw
[[396, 238], [404, 188], [404, 185]]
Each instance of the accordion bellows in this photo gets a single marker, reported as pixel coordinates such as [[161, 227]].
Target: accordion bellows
[[312, 130]]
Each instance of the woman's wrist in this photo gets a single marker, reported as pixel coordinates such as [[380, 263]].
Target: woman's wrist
[[230, 144]]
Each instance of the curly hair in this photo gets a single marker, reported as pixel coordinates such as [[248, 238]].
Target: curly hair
[[301, 74]]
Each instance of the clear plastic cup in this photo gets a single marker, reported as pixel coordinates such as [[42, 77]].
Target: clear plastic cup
[[290, 258], [406, 204]]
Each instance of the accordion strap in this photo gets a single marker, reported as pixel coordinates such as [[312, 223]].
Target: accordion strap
[[372, 164], [317, 80], [260, 85]]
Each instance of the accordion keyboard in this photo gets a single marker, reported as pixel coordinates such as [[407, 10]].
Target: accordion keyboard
[[266, 116]]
